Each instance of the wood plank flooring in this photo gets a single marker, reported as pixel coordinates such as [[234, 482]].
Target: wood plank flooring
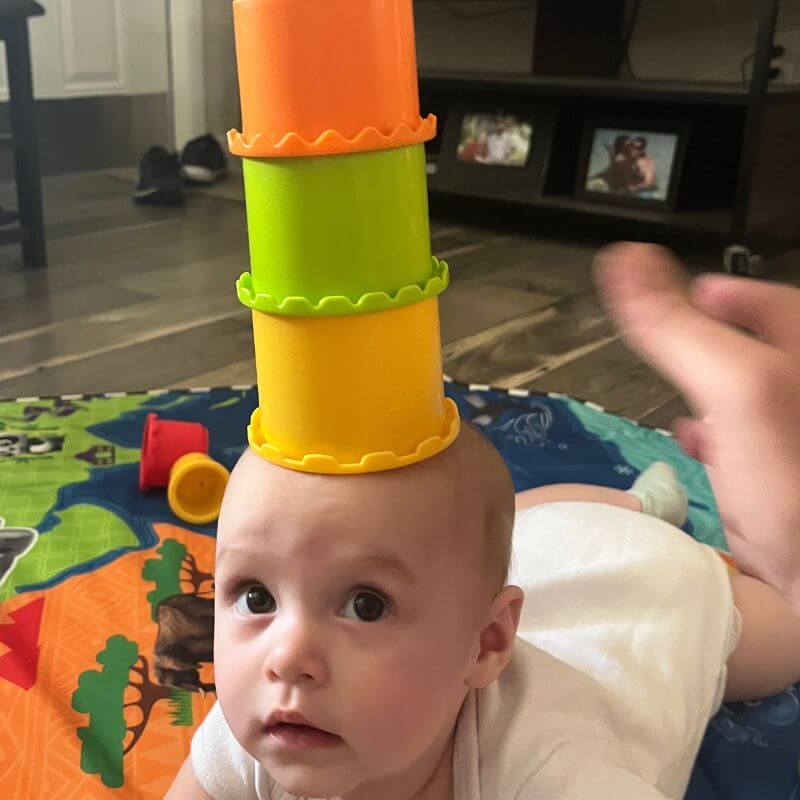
[[143, 298]]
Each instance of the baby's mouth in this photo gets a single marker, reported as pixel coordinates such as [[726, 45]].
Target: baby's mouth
[[301, 726], [301, 737]]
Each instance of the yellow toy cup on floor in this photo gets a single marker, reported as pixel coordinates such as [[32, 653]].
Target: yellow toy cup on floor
[[196, 487], [351, 394]]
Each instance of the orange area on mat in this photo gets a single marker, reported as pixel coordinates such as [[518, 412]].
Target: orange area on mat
[[40, 752]]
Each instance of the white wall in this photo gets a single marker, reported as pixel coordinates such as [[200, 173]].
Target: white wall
[[675, 39], [188, 84], [97, 47], [497, 43], [222, 88], [687, 39]]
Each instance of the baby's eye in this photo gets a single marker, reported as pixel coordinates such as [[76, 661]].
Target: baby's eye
[[255, 600], [366, 607]]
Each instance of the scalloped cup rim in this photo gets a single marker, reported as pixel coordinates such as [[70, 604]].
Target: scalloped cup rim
[[340, 305], [331, 142], [379, 461]]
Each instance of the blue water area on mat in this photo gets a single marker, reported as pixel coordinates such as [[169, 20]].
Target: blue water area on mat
[[225, 412]]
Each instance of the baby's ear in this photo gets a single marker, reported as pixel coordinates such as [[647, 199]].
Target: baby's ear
[[497, 638]]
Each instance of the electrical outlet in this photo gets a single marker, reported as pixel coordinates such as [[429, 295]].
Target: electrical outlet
[[789, 63], [783, 60], [790, 69]]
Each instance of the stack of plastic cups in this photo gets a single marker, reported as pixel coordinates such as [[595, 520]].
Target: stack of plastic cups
[[343, 286]]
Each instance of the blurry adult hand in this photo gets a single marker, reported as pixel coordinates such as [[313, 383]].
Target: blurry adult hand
[[743, 388]]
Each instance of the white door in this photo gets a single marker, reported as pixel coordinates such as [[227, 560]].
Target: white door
[[97, 47], [81, 48]]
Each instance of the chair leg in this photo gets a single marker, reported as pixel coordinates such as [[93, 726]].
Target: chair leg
[[26, 152]]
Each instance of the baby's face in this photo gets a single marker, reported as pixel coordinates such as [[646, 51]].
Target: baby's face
[[356, 602]]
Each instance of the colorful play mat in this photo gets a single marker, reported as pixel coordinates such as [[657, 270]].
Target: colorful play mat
[[106, 598]]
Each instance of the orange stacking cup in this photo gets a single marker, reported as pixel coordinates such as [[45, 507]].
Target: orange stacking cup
[[326, 77]]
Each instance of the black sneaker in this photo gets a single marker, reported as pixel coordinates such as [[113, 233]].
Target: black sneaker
[[203, 161], [159, 179]]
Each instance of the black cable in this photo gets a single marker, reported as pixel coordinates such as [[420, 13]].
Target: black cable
[[743, 68], [451, 8]]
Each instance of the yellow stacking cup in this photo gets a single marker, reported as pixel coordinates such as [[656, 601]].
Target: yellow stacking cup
[[351, 394]]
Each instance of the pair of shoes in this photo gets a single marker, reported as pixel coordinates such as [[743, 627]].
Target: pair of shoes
[[162, 174]]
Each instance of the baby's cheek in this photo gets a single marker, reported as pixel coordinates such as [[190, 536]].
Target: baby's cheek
[[394, 713], [235, 678], [223, 650], [406, 703]]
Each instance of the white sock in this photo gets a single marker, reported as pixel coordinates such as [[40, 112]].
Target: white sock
[[661, 494]]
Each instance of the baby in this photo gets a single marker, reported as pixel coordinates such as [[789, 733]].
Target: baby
[[368, 645]]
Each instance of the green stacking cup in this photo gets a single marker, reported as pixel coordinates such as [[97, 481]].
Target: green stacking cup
[[339, 234]]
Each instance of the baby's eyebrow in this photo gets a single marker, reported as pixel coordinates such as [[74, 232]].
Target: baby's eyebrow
[[387, 563], [227, 556]]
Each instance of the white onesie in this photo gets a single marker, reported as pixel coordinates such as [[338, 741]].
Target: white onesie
[[626, 629]]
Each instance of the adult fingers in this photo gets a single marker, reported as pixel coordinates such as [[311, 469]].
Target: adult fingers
[[770, 310], [646, 291], [693, 436]]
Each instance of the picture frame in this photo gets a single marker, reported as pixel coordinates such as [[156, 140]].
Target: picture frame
[[495, 149], [631, 162]]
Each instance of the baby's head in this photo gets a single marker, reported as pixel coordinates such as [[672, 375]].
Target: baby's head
[[371, 605]]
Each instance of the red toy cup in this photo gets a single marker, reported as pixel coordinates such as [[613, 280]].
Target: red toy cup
[[164, 441]]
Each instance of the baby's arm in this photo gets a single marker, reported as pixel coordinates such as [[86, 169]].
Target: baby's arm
[[767, 657], [186, 786]]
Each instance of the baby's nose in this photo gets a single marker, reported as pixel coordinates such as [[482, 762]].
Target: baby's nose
[[295, 655]]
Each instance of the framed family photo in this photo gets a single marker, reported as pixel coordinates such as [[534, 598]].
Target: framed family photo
[[630, 163], [492, 150]]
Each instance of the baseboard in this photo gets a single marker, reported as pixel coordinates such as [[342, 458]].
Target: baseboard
[[88, 133]]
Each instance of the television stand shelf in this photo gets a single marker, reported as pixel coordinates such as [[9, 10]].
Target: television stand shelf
[[740, 182], [688, 92]]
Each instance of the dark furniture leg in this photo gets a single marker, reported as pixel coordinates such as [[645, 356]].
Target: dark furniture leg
[[757, 99], [26, 150]]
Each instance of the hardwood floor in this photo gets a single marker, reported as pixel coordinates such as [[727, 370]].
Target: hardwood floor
[[141, 298]]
